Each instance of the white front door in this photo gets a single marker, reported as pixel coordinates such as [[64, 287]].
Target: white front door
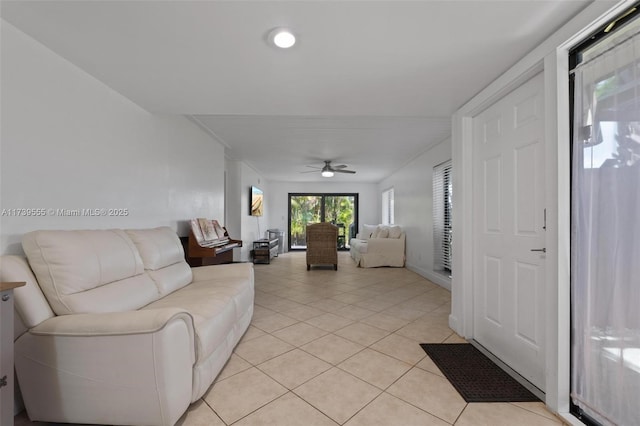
[[509, 222]]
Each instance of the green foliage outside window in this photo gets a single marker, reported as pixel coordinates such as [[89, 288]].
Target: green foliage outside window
[[308, 209]]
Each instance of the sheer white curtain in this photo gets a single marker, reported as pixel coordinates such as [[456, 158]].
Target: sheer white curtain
[[605, 248]]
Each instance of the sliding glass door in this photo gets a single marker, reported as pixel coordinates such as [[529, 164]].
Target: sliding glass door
[[605, 237], [305, 209]]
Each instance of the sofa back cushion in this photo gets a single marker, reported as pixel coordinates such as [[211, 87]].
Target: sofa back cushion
[[162, 255], [89, 271], [387, 231], [381, 231], [395, 231], [367, 231]]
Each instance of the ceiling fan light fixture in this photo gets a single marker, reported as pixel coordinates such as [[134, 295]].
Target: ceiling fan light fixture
[[327, 173], [282, 38]]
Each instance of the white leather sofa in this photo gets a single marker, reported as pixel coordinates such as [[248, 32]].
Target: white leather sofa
[[379, 245], [113, 326]]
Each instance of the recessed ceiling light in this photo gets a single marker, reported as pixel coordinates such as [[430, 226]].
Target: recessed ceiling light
[[282, 38]]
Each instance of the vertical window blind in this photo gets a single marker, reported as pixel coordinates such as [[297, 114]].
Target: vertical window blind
[[442, 210]]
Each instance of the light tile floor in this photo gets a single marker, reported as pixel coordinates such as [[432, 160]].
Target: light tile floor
[[341, 347]]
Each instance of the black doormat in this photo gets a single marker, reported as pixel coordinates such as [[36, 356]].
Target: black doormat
[[475, 376]]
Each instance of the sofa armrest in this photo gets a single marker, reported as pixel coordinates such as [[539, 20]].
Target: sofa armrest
[[108, 368], [112, 323]]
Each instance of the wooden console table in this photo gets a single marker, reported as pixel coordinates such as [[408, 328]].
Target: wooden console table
[[6, 352], [201, 256]]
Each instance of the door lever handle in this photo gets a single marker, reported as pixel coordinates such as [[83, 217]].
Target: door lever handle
[[544, 250]]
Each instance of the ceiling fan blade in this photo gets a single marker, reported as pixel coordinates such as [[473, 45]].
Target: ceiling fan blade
[[341, 168]]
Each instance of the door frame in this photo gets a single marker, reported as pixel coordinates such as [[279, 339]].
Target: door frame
[[462, 315], [551, 57]]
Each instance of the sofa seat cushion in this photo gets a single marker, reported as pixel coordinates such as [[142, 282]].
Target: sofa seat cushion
[[223, 272], [215, 304]]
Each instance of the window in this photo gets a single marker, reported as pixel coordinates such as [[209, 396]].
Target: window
[[305, 209], [388, 216], [442, 210]]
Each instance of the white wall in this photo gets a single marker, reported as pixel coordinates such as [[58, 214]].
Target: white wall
[[252, 227], [232, 203], [413, 196], [277, 201], [70, 142]]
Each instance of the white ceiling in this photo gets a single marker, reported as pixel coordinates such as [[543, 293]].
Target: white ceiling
[[371, 84]]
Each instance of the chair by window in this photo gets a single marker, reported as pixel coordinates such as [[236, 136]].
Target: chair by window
[[322, 245]]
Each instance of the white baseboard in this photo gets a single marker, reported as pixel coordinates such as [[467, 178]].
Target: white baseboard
[[453, 324], [434, 277]]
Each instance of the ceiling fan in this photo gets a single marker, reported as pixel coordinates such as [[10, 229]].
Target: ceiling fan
[[328, 170]]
